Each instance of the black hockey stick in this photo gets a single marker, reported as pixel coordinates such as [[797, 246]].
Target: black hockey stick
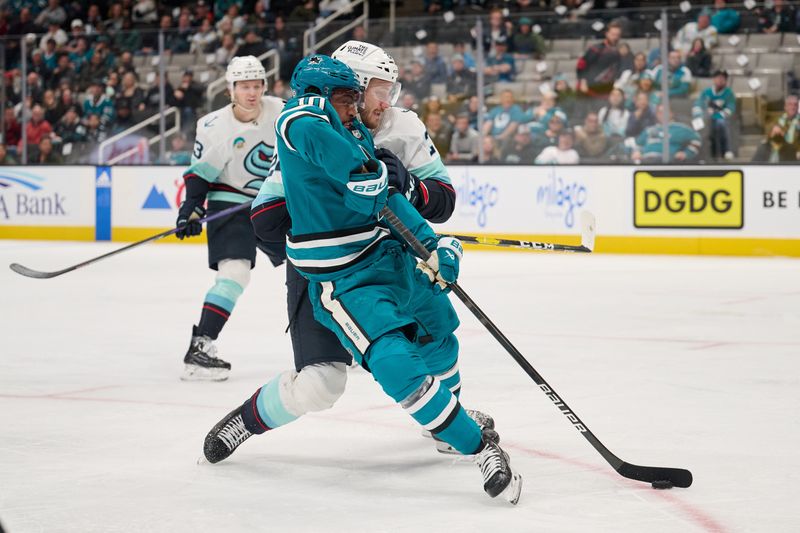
[[659, 476], [38, 274], [586, 246]]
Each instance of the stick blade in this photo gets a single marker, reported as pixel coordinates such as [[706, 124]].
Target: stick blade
[[588, 230], [30, 273], [679, 477]]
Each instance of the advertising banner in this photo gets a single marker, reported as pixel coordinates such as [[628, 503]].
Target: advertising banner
[[47, 203]]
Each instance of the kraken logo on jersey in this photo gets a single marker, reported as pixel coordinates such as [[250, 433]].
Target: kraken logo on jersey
[[258, 160]]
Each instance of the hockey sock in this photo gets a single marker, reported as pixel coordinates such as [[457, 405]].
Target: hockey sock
[[250, 416], [218, 305], [399, 369], [269, 406]]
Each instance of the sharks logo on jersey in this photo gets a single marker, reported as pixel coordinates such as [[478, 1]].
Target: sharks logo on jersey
[[259, 160]]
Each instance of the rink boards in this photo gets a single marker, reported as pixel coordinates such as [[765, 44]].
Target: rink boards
[[736, 210]]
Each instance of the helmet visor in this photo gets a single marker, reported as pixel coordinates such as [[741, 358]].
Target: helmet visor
[[386, 93]]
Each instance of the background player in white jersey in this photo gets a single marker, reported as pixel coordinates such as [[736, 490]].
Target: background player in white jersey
[[231, 158]]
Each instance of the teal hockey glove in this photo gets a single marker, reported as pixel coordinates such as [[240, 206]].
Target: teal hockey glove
[[366, 191], [442, 266]]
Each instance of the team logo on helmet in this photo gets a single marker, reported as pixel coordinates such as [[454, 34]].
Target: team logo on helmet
[[258, 160]]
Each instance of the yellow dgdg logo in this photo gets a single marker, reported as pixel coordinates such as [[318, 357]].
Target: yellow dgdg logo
[[688, 199]]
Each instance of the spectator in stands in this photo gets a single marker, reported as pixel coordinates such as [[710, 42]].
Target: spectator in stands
[[94, 20], [469, 59], [497, 31], [691, 31], [50, 56], [125, 64], [45, 155], [132, 94], [226, 51], [520, 150], [81, 55], [112, 84], [431, 106], [614, 116], [179, 153], [549, 137], [152, 96], [641, 117], [95, 133], [50, 106], [280, 89], [628, 81], [69, 128], [76, 32], [780, 18], [500, 65], [775, 149], [54, 32], [435, 67], [116, 15], [409, 101], [600, 65], [259, 18], [526, 43], [789, 121], [647, 87], [435, 6], [724, 18], [37, 127], [188, 96], [561, 153], [471, 107], [439, 132], [625, 57], [97, 103], [305, 12], [63, 73], [590, 139], [205, 40], [66, 100], [253, 45], [679, 79], [92, 73], [12, 133], [464, 144], [503, 120], [684, 143], [221, 7], [52, 14], [566, 97], [38, 65], [5, 157], [461, 82], [491, 154], [130, 40], [698, 61], [24, 24], [541, 113], [416, 81], [716, 105]]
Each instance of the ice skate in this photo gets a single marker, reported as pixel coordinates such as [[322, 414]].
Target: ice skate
[[201, 362], [225, 437], [498, 477], [483, 420]]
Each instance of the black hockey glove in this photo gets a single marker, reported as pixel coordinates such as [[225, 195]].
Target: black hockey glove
[[399, 176], [187, 223]]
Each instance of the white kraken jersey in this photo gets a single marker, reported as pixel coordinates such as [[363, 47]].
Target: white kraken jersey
[[234, 156], [402, 132]]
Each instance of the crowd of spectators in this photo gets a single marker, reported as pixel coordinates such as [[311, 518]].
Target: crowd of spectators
[[83, 85]]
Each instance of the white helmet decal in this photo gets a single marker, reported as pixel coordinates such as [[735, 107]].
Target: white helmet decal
[[368, 61], [243, 69]]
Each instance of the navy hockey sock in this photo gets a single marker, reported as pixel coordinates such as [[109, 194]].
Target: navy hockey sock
[[250, 416], [218, 306]]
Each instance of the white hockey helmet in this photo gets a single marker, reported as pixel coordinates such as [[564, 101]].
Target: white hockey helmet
[[369, 61], [244, 68]]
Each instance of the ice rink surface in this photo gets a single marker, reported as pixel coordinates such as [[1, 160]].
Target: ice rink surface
[[671, 361]]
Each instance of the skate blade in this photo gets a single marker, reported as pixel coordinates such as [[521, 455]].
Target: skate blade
[[514, 489], [427, 434], [198, 373]]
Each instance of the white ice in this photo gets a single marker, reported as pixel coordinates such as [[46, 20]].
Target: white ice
[[671, 361]]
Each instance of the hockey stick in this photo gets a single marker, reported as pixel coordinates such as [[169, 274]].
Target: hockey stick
[[660, 477], [38, 274], [587, 239]]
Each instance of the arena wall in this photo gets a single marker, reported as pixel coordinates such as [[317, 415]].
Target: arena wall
[[739, 210]]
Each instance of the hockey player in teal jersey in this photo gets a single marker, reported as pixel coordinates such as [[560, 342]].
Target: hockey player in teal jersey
[[362, 282]]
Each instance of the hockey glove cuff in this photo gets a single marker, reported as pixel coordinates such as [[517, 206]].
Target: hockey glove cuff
[[442, 266], [366, 191], [399, 176], [187, 223]]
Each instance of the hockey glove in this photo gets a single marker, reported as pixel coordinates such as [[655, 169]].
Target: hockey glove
[[442, 266], [366, 191], [187, 223], [399, 176]]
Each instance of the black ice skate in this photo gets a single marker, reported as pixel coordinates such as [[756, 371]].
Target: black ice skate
[[498, 477], [483, 420], [201, 361], [225, 437]]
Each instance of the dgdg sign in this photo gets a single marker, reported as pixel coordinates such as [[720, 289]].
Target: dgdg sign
[[688, 199]]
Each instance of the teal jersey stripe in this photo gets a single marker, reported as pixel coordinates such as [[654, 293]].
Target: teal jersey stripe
[[226, 196], [204, 170]]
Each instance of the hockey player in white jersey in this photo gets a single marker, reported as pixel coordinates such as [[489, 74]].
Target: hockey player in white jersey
[[232, 153]]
